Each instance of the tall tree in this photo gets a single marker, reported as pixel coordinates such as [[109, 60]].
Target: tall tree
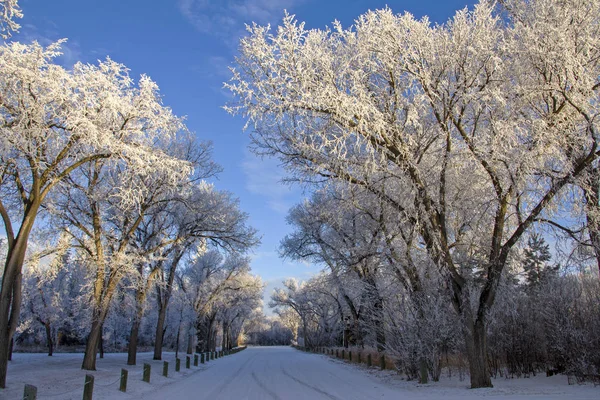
[[201, 216], [470, 130], [101, 208], [52, 122], [157, 239]]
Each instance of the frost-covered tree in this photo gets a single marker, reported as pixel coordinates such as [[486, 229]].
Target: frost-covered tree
[[535, 263], [316, 307], [9, 10], [157, 239], [46, 287], [54, 121], [200, 217], [236, 305], [101, 208], [471, 130], [211, 278]]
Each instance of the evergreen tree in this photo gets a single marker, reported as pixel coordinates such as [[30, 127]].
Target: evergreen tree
[[537, 255]]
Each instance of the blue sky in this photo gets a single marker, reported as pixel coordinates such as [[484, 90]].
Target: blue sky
[[186, 47]]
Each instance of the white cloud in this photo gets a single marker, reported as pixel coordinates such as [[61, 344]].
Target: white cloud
[[226, 18]]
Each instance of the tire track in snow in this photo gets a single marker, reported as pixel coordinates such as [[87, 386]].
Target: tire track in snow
[[264, 387], [308, 385], [217, 391]]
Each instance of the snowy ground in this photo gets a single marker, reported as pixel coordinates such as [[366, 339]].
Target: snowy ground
[[262, 373]]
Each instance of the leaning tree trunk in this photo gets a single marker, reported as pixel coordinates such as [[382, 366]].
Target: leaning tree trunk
[[163, 303], [158, 342], [10, 292], [91, 346]]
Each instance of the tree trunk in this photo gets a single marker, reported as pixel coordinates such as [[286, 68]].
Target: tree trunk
[[135, 325], [160, 323], [133, 340], [177, 339], [476, 343], [163, 303], [210, 334], [10, 291], [101, 344], [49, 340], [190, 343], [378, 322], [305, 333], [91, 346], [229, 338], [224, 344], [423, 374], [592, 197]]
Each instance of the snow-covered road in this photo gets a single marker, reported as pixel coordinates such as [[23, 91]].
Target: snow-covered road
[[277, 373]]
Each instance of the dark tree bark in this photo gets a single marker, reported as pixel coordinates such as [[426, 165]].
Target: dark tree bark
[[10, 292], [101, 344], [591, 191], [133, 341], [190, 343], [49, 340], [91, 346], [163, 302]]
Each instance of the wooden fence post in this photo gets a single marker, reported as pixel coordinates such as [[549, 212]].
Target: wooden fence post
[[343, 354], [350, 355], [337, 354], [30, 392], [359, 357], [165, 369], [382, 361], [177, 364], [369, 363], [201, 358], [146, 377], [123, 384], [195, 360], [187, 362], [88, 387]]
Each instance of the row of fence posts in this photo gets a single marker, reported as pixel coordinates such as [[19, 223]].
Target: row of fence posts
[[342, 354], [30, 391]]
